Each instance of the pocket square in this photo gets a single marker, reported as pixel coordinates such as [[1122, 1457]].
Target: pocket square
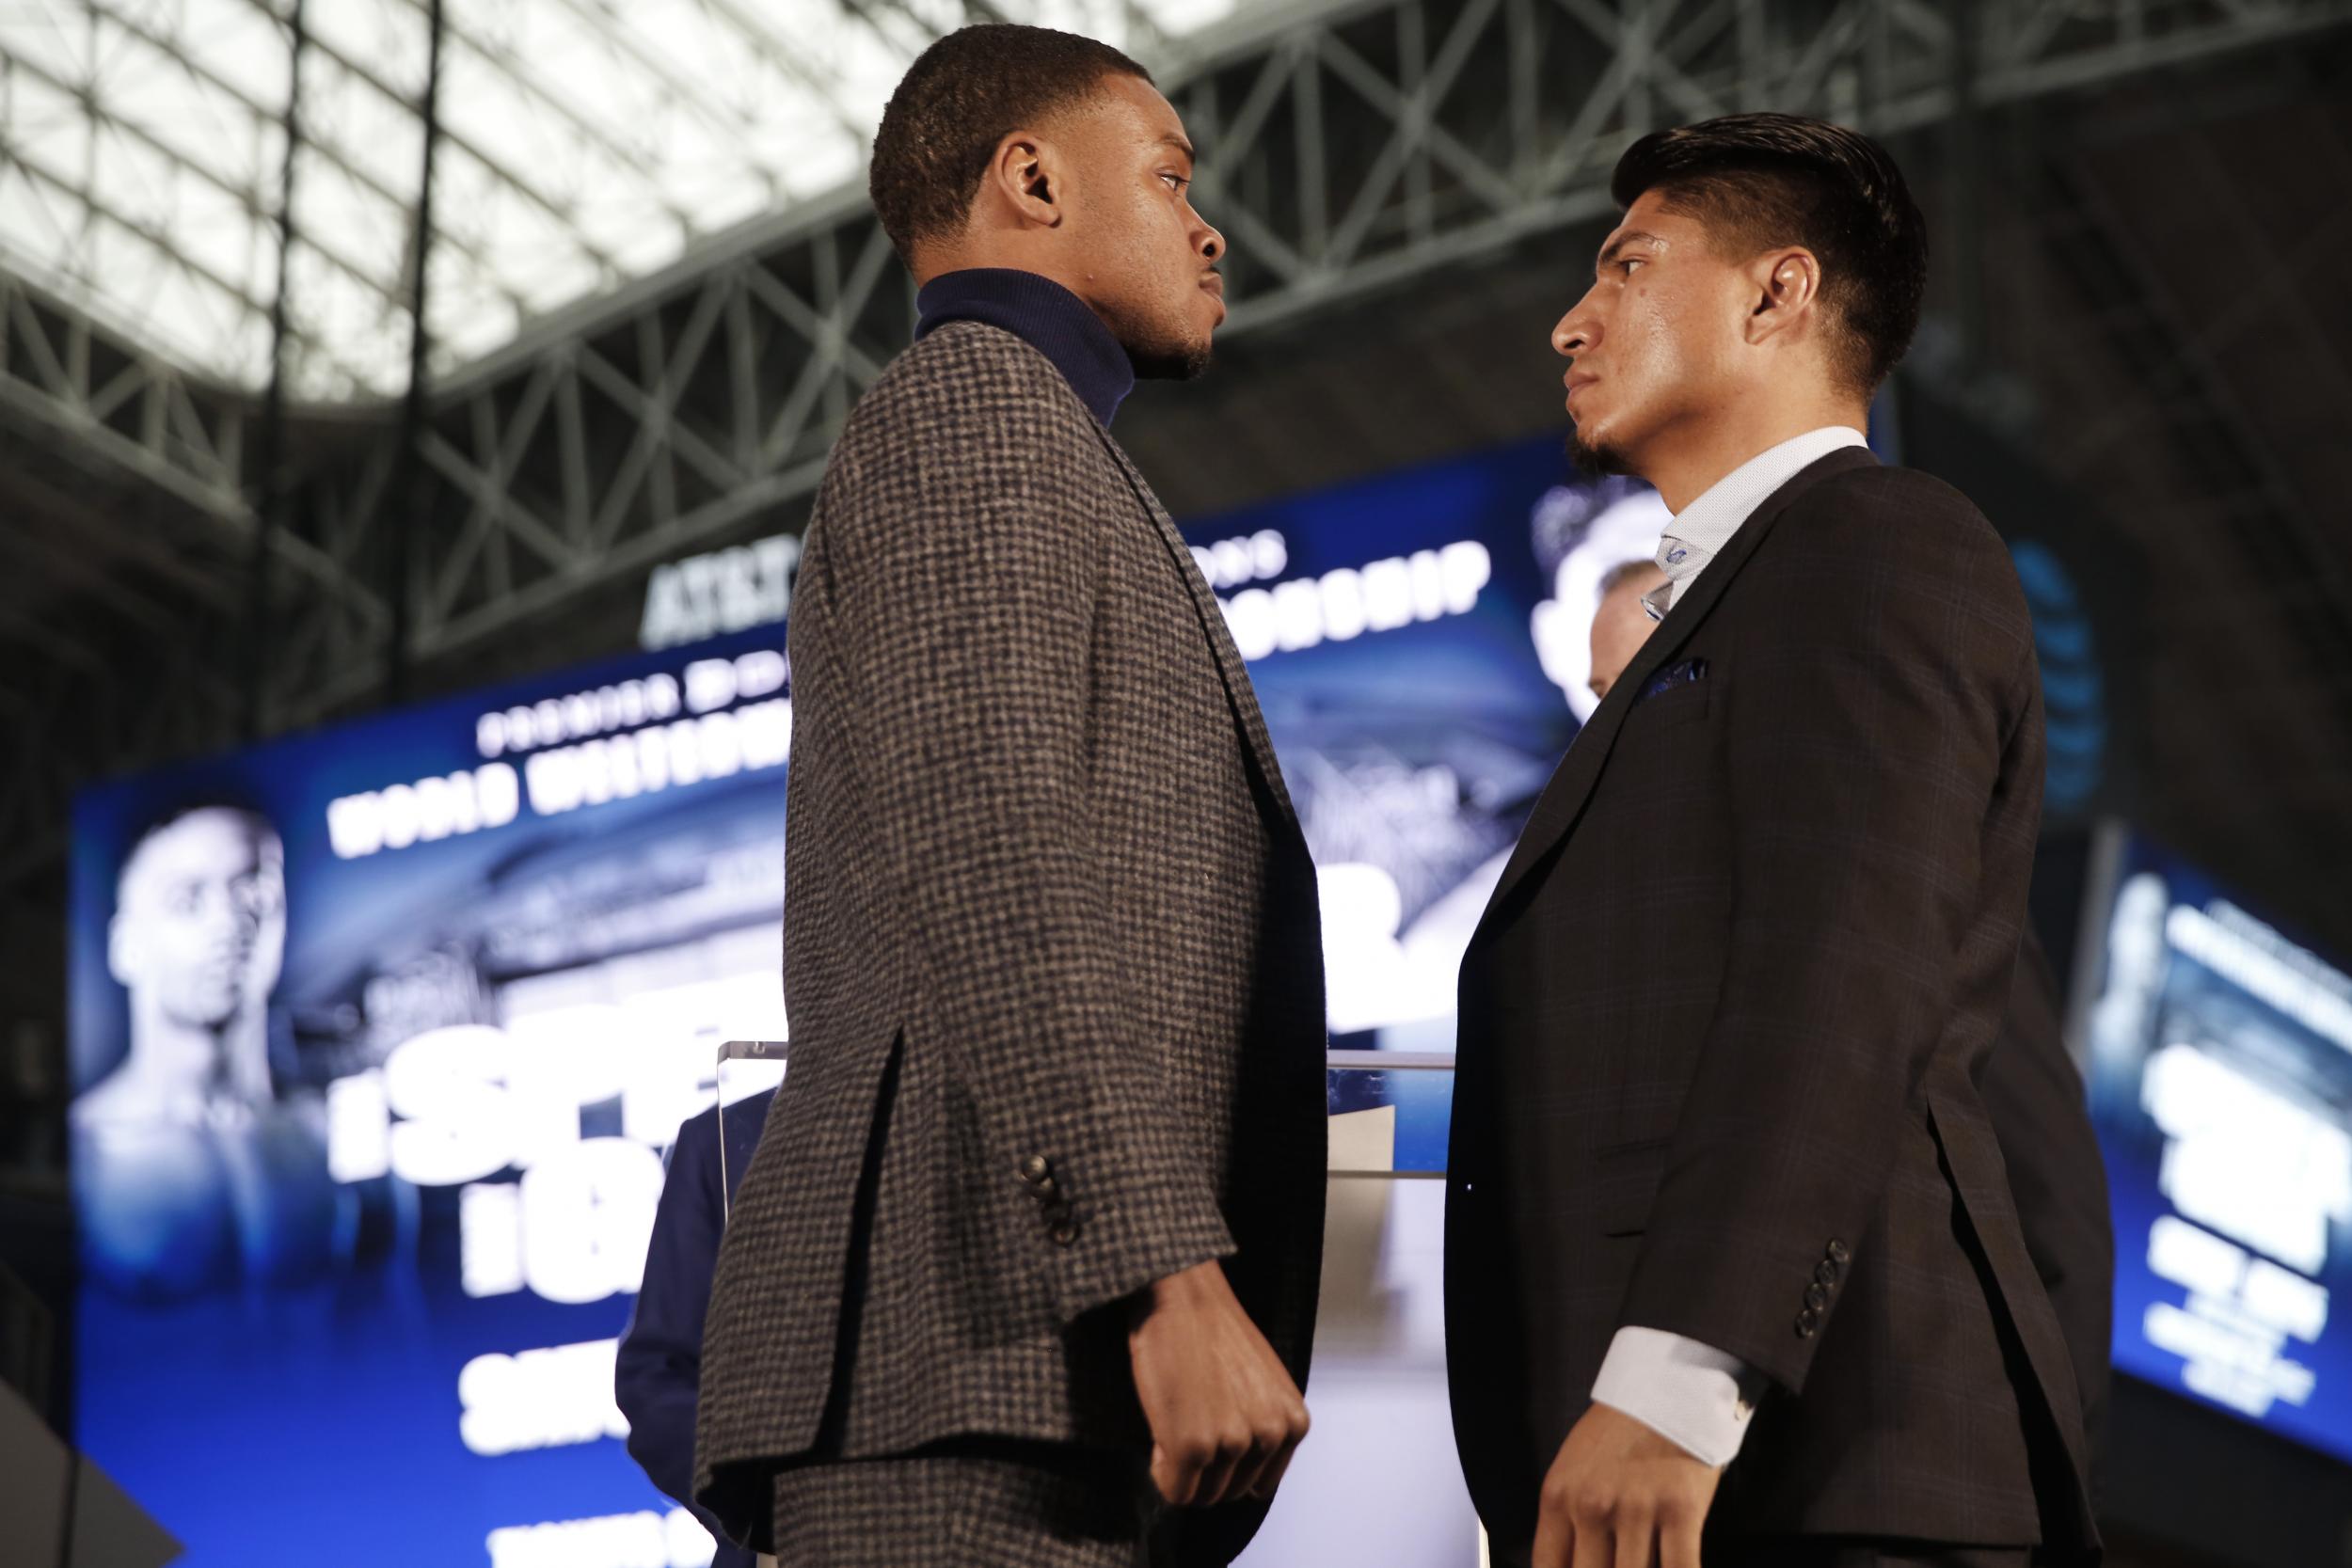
[[1689, 673]]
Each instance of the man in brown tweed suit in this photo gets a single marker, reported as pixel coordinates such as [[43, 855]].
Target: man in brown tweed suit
[[1734, 1260], [1024, 1271]]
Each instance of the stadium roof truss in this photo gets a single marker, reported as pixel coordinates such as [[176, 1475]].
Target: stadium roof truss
[[657, 289], [582, 143]]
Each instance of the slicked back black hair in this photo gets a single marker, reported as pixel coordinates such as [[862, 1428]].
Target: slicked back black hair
[[1760, 181], [959, 97]]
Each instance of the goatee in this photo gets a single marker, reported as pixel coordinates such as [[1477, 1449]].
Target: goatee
[[1595, 461]]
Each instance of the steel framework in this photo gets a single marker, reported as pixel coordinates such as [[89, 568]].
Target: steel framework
[[1350, 148]]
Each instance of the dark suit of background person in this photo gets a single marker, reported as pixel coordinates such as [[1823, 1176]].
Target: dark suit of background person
[[1718, 1032], [1054, 966], [658, 1367], [2032, 1091]]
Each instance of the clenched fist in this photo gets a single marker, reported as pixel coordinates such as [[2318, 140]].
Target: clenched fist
[[1620, 1496], [1224, 1413]]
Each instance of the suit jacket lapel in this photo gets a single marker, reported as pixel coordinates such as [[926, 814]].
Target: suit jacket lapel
[[1563, 800], [1238, 690]]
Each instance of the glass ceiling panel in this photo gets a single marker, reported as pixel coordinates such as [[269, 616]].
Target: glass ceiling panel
[[585, 143]]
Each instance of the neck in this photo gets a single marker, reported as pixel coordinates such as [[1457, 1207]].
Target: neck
[[175, 1060], [1689, 457], [1007, 253]]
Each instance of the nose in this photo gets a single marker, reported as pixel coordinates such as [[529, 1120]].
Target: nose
[[1576, 331], [1211, 242]]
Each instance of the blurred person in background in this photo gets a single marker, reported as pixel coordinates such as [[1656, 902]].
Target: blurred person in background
[[1024, 1272], [1732, 1255], [1580, 535], [1622, 622], [189, 1172], [658, 1365]]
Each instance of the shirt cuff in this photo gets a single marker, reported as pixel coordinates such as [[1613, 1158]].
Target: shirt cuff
[[1693, 1395]]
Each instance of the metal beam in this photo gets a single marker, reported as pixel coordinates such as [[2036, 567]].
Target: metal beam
[[1352, 148]]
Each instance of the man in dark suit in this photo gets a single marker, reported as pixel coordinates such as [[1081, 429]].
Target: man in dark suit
[[2033, 1092], [1030, 1245], [1723, 1186], [658, 1367]]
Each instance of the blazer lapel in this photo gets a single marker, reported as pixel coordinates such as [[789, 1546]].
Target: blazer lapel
[[1238, 690], [1564, 798]]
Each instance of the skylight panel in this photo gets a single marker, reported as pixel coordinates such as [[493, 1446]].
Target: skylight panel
[[586, 142]]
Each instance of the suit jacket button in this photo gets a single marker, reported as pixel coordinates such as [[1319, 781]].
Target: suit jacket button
[[1825, 1273], [1065, 1233], [1816, 1297], [1036, 1170], [1808, 1322], [1836, 1253]]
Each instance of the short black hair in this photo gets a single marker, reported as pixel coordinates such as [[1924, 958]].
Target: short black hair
[[179, 808], [959, 97], [1762, 180]]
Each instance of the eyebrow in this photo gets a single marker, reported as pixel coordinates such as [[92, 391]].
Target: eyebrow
[[1618, 242], [1171, 139]]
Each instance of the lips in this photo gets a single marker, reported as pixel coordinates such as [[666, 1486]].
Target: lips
[[1577, 384]]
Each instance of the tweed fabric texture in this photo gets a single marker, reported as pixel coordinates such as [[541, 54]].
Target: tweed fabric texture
[[1005, 1509], [1039, 854], [1721, 1030]]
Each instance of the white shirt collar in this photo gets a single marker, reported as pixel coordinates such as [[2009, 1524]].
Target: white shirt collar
[[1701, 529]]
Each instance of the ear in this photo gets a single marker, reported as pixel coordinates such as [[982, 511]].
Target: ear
[[1024, 180], [1784, 286], [123, 950]]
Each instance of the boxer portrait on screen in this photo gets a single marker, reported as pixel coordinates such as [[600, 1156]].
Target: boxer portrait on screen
[[1024, 1272], [1734, 1264], [190, 1171]]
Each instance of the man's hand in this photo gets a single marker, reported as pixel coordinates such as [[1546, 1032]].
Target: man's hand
[[1620, 1496], [1225, 1414]]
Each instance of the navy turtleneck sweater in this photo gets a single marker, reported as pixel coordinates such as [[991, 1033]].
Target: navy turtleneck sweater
[[1044, 314]]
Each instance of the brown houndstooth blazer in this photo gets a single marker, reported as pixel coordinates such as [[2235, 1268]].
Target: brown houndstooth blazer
[[1051, 955], [1721, 1031]]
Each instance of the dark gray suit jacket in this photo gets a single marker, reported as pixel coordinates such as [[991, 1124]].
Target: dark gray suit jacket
[[1719, 1033], [1051, 954]]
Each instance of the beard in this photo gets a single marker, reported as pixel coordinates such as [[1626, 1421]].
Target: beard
[[1159, 348], [1595, 459], [1169, 361]]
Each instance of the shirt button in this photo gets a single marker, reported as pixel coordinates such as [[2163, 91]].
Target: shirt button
[[1838, 1253], [1808, 1322], [1036, 1169], [1825, 1273], [1816, 1297], [1065, 1232]]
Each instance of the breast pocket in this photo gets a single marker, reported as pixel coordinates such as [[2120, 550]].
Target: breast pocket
[[1686, 704]]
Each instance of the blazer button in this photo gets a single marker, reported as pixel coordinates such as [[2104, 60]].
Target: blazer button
[[1836, 1253], [1816, 1297], [1036, 1170], [1065, 1233], [1825, 1273], [1809, 1323]]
